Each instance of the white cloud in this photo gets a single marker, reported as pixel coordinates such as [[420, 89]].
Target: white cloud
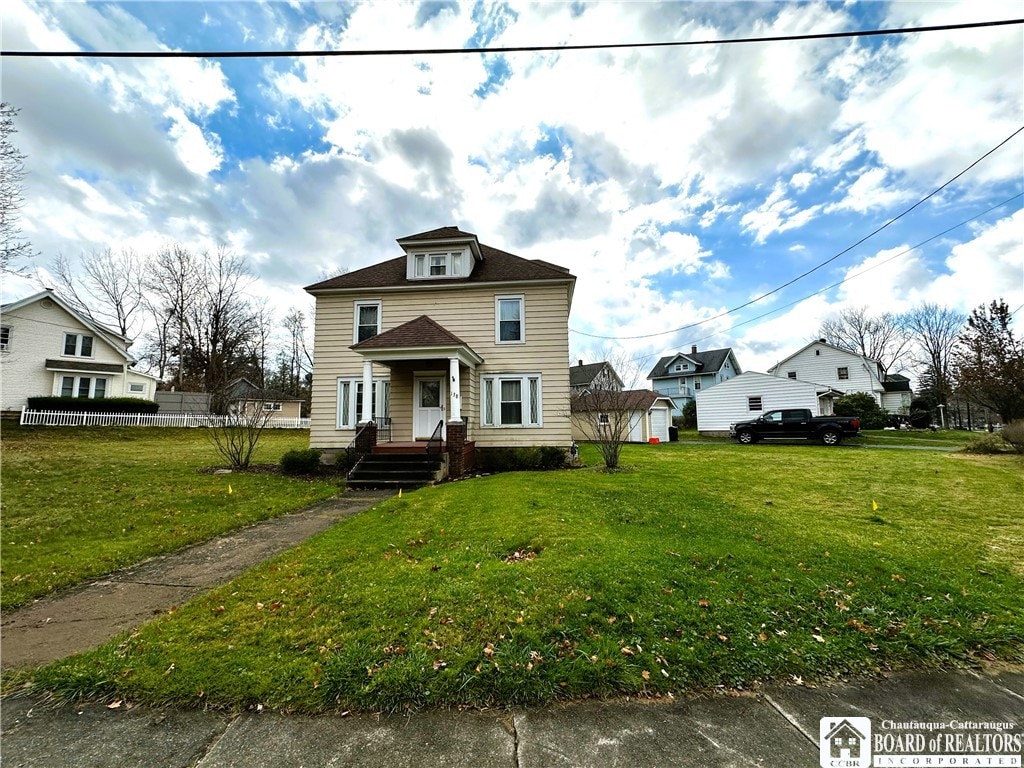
[[200, 153]]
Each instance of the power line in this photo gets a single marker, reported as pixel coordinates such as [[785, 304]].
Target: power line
[[818, 266], [500, 50]]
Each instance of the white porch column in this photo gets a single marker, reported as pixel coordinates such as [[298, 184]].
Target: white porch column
[[454, 391], [366, 406]]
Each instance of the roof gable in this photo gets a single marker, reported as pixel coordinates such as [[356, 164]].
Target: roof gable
[[709, 361], [820, 343], [110, 337]]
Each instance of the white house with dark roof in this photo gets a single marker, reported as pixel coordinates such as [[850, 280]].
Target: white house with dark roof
[[47, 348], [847, 372], [451, 339], [682, 375]]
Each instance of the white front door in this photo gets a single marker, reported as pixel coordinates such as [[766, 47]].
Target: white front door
[[428, 406]]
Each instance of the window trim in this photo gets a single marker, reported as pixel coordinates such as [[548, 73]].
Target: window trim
[[5, 343], [271, 407], [790, 374], [79, 344], [843, 373], [532, 400], [753, 400], [76, 387], [381, 402], [359, 305], [140, 387], [521, 298], [421, 265]]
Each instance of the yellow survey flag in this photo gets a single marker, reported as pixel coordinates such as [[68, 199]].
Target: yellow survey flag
[[874, 505], [229, 488]]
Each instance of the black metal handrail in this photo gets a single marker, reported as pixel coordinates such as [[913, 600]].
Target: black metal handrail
[[436, 441]]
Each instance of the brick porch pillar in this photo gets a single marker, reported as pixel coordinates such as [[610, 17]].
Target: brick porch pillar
[[455, 437], [366, 438]]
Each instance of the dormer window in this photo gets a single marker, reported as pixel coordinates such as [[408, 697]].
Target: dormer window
[[682, 367], [431, 266]]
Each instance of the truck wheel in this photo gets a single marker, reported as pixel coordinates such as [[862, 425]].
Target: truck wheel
[[831, 437], [746, 437]]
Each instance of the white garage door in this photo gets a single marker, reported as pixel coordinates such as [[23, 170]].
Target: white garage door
[[659, 424]]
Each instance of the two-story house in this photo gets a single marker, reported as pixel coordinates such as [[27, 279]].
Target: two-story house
[[846, 372], [584, 378], [47, 348], [451, 340], [682, 375]]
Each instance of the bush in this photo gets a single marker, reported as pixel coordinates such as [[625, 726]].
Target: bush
[[520, 459], [345, 460], [985, 443], [301, 462], [689, 418], [100, 405], [863, 406], [1013, 433]]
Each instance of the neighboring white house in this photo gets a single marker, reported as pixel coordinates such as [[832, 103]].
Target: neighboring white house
[[750, 394], [644, 415], [683, 375], [848, 373], [49, 349]]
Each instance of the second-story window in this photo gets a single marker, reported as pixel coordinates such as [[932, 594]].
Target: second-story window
[[367, 320], [5, 338], [843, 373], [510, 326], [77, 345]]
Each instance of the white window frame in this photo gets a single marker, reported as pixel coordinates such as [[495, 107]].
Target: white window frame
[[6, 332], [521, 298], [790, 374], [603, 420], [359, 305], [79, 343], [843, 373], [531, 392], [696, 384], [348, 408], [76, 386], [450, 265], [135, 387], [755, 403], [271, 407]]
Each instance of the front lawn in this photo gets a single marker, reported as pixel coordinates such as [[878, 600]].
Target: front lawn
[[81, 502], [694, 566]]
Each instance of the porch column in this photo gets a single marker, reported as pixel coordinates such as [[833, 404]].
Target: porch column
[[454, 391], [366, 406]]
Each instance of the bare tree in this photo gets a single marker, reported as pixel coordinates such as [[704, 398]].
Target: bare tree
[[109, 289], [881, 337], [16, 249], [171, 284], [935, 331], [300, 361], [604, 414], [237, 435]]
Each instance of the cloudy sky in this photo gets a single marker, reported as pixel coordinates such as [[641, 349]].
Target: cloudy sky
[[678, 184]]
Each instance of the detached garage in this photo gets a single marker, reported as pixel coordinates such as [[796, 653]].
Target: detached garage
[[640, 415], [750, 394]]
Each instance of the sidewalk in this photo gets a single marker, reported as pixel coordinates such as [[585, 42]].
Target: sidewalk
[[84, 617], [778, 726]]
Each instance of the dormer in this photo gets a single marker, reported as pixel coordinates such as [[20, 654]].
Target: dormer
[[447, 253]]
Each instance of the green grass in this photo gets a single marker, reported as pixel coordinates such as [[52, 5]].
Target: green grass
[[691, 567], [948, 438], [78, 503]]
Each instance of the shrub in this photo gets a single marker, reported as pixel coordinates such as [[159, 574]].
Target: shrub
[[985, 443], [345, 460], [1013, 433], [863, 406], [552, 457], [99, 405], [301, 462], [689, 418]]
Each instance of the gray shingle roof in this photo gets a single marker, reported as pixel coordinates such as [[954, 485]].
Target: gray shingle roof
[[421, 332], [708, 361], [582, 375]]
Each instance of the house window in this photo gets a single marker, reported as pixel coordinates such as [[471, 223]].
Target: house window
[[428, 265], [271, 407], [791, 374], [754, 403], [137, 388], [5, 338], [603, 420], [511, 401], [843, 373], [367, 321], [350, 401], [77, 345], [696, 384], [682, 367], [510, 328], [87, 387]]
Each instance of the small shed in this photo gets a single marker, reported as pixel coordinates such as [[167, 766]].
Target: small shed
[[750, 394]]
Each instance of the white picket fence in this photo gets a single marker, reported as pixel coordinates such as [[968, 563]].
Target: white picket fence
[[71, 419]]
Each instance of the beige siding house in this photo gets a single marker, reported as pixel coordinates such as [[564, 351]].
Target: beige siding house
[[451, 339], [47, 348]]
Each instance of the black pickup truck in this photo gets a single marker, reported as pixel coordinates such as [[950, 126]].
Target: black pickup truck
[[795, 424]]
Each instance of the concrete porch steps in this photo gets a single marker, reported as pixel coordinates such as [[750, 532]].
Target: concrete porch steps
[[396, 470]]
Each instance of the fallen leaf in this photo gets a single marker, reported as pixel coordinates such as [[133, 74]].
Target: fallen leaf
[[114, 704], [645, 675]]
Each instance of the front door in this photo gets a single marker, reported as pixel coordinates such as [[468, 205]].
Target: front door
[[428, 406]]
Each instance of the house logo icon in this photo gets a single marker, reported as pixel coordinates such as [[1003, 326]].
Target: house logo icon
[[845, 742]]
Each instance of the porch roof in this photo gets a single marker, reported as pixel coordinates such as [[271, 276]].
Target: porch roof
[[419, 339]]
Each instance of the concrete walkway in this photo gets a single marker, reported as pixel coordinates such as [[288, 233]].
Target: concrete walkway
[[778, 726], [84, 617]]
